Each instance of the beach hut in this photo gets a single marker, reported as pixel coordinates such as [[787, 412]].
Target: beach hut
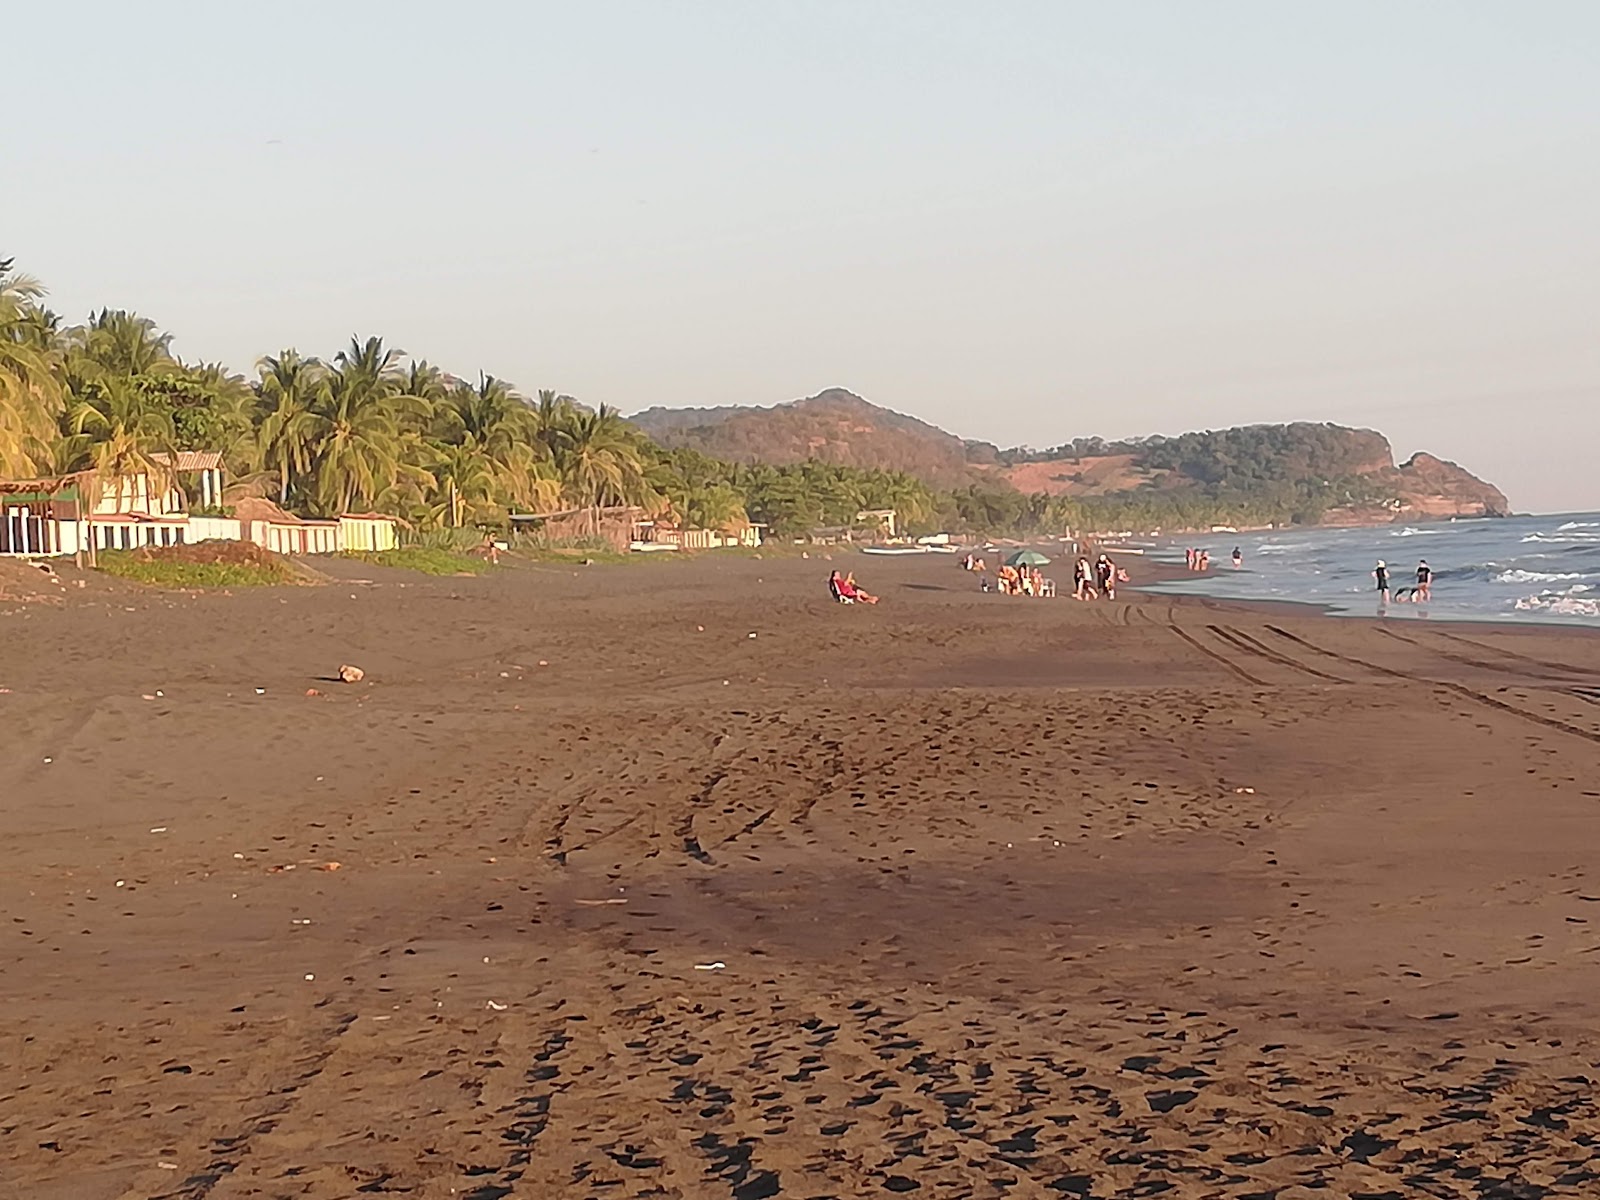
[[884, 520], [44, 517], [271, 528], [615, 526], [369, 533], [205, 466]]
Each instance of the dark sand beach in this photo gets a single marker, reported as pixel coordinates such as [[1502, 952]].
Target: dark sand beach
[[997, 897]]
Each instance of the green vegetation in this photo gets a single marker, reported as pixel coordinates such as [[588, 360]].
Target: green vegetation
[[426, 559], [366, 429], [1251, 475], [178, 573]]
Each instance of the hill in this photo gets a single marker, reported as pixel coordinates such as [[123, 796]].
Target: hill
[[1259, 474], [834, 426], [1323, 472]]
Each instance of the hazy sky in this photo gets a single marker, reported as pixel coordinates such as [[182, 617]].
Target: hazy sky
[[1021, 221]]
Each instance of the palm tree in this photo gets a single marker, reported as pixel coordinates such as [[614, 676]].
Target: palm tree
[[507, 432], [122, 343], [289, 390], [426, 382], [359, 426], [551, 416], [121, 432], [30, 389], [599, 461], [465, 482]]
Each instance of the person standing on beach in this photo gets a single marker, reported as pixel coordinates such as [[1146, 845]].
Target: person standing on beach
[[1381, 574], [1105, 573], [1424, 581]]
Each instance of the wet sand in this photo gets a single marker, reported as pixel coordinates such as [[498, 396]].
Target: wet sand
[[1010, 898]]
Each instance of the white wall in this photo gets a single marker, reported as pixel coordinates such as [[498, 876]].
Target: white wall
[[206, 529]]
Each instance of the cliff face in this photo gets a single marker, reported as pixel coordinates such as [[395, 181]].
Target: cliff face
[[1432, 487]]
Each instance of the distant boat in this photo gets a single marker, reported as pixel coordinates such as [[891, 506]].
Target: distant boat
[[895, 550]]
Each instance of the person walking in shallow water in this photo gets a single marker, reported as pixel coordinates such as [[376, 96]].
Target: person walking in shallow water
[[1381, 574], [1238, 558], [1424, 581]]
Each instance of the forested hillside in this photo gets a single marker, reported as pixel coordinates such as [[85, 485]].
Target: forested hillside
[[834, 426]]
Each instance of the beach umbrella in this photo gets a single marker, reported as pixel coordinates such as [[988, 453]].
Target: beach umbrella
[[1027, 558]]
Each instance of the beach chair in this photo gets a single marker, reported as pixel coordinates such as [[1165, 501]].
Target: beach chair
[[833, 590]]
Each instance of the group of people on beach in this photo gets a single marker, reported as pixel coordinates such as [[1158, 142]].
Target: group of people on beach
[[1200, 560], [1089, 580], [1420, 594], [1009, 580]]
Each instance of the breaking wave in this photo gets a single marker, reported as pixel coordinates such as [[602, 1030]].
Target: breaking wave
[[1517, 575], [1560, 605]]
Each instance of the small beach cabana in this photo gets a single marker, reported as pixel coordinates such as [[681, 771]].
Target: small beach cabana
[[271, 528], [42, 517], [206, 465], [614, 526], [369, 533]]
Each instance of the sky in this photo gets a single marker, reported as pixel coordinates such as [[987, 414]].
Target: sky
[[1022, 221]]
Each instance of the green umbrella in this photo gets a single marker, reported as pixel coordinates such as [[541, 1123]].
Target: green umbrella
[[1027, 558]]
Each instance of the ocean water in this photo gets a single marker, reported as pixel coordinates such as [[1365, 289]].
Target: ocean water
[[1526, 569]]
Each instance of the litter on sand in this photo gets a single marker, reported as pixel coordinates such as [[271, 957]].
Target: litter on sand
[[498, 1007], [710, 966]]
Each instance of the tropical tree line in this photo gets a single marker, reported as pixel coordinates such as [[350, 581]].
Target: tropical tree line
[[369, 428], [366, 428]]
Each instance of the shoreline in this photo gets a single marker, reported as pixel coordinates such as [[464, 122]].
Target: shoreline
[[1170, 573]]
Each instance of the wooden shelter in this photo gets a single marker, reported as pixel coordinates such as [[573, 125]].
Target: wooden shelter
[[614, 526]]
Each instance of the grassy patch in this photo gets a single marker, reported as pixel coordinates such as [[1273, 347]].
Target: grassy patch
[[429, 560], [176, 573], [564, 554]]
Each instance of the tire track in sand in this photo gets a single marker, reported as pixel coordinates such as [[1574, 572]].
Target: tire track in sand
[[1521, 672], [1243, 641], [1448, 685], [228, 1152], [1527, 658], [1217, 657]]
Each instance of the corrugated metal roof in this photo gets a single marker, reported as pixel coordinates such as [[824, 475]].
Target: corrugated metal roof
[[191, 460]]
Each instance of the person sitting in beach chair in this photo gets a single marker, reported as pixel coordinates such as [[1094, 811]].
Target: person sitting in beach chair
[[855, 591], [836, 589]]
